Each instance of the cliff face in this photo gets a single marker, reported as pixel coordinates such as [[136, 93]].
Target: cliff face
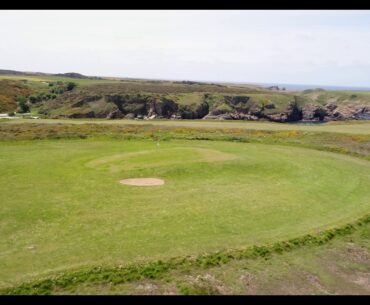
[[276, 107], [248, 108], [298, 108], [118, 106], [335, 112]]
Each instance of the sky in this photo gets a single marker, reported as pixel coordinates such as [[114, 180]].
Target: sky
[[298, 47]]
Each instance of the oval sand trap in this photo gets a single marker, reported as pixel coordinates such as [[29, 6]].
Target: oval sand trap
[[142, 181]]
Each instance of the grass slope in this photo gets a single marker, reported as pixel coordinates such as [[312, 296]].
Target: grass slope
[[9, 91], [340, 97]]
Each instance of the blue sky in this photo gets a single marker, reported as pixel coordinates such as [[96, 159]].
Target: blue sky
[[303, 47]]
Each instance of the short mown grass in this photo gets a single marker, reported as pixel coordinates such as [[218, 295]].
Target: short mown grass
[[61, 214]]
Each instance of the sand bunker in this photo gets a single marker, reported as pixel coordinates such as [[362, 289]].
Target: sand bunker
[[142, 181]]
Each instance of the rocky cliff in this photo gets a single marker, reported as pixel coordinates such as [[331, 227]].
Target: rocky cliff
[[277, 107]]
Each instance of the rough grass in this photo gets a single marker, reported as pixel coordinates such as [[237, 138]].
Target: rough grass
[[340, 97], [38, 81], [349, 127], [340, 266], [158, 270], [354, 140], [109, 85]]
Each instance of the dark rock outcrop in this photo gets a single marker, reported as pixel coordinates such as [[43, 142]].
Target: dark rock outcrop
[[193, 111], [363, 113], [311, 112], [162, 107], [292, 113], [116, 114]]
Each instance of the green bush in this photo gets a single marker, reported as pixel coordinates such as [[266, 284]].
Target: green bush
[[22, 104], [71, 86]]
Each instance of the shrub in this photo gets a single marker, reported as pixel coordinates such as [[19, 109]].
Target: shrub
[[23, 107], [71, 86]]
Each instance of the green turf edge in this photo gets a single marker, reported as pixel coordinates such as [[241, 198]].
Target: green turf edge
[[150, 132], [157, 269]]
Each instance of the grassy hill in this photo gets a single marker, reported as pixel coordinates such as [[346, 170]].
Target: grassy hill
[[117, 98]]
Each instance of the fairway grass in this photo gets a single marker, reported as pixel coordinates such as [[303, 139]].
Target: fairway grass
[[62, 207]]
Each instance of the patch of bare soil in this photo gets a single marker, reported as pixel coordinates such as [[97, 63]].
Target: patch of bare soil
[[142, 181], [314, 281]]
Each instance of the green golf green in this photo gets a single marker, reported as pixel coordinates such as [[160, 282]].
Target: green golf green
[[62, 206]]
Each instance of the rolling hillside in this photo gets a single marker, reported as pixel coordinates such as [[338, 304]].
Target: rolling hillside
[[52, 96]]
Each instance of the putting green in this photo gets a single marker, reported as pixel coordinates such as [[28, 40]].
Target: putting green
[[62, 206]]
